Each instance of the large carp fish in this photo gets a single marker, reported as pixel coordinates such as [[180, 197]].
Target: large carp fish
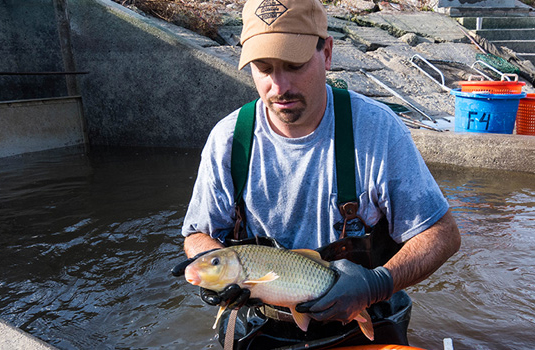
[[276, 276]]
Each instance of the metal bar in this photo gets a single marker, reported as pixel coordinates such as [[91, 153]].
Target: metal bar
[[410, 124], [42, 99], [479, 23], [406, 118], [393, 92], [64, 35], [443, 84], [489, 67], [471, 39], [41, 73], [448, 344]]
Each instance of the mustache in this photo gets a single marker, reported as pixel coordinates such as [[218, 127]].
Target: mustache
[[287, 96]]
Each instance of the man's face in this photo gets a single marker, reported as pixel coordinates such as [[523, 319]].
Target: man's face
[[294, 94]]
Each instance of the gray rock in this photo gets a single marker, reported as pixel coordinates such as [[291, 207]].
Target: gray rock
[[410, 38]]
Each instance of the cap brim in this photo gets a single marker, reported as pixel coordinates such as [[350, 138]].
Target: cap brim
[[295, 48]]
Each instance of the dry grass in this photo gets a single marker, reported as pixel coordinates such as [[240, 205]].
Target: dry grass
[[203, 17]]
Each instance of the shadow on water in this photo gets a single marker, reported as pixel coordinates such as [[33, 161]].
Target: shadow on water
[[87, 242]]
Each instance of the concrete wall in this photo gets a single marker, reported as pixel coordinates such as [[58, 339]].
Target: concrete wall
[[29, 43], [147, 86]]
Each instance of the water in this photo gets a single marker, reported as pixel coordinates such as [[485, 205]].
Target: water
[[87, 242]]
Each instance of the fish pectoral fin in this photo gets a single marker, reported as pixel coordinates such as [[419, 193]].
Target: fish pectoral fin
[[218, 316], [365, 324], [302, 320], [270, 276], [312, 255], [361, 318]]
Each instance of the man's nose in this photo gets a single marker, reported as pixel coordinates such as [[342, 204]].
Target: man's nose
[[280, 83]]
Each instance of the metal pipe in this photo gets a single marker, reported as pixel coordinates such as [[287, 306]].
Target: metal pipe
[[501, 74], [393, 92], [443, 84], [471, 39], [41, 73], [406, 118], [64, 31], [479, 23]]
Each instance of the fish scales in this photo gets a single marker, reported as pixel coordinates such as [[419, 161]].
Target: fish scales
[[300, 278], [276, 276]]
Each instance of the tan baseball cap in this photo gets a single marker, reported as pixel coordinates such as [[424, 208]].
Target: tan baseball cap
[[283, 29]]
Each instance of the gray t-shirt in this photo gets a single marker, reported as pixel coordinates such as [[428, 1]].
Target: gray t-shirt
[[291, 191]]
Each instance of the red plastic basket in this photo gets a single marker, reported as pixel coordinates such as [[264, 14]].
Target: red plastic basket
[[525, 117], [493, 87]]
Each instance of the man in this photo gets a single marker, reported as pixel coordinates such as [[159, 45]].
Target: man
[[291, 192]]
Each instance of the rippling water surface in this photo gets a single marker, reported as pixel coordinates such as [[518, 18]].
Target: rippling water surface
[[87, 242]]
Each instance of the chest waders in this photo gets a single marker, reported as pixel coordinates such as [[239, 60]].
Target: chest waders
[[267, 327]]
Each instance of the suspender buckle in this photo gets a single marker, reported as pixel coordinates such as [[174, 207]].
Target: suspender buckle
[[349, 212]]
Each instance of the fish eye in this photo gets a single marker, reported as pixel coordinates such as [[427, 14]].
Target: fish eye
[[215, 261]]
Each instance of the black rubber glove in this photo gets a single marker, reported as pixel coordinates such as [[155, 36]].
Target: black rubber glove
[[355, 290], [179, 269], [232, 295]]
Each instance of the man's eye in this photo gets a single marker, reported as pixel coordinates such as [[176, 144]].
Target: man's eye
[[296, 66]]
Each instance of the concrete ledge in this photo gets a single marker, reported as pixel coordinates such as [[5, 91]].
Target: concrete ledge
[[40, 124], [491, 151], [12, 338]]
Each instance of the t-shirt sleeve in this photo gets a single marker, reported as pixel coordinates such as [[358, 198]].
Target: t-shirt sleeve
[[393, 177], [409, 195]]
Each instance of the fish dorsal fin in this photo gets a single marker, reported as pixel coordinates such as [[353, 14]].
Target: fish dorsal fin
[[365, 324], [268, 277], [312, 255], [302, 320]]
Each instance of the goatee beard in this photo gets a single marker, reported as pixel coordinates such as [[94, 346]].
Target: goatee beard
[[288, 115]]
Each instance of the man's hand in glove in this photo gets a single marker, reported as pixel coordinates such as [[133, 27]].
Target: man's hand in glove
[[233, 296], [355, 289]]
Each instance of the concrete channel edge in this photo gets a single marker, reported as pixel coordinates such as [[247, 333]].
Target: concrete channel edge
[[477, 150], [13, 338]]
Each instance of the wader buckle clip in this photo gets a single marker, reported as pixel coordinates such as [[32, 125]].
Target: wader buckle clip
[[349, 212]]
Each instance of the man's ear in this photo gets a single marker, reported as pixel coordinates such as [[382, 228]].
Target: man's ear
[[328, 52]]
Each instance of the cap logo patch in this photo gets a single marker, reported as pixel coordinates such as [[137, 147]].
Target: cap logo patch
[[269, 10]]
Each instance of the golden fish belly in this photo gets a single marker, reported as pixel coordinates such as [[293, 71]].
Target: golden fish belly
[[300, 278]]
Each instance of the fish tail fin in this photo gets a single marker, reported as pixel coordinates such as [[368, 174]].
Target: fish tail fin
[[365, 324], [218, 316], [302, 320]]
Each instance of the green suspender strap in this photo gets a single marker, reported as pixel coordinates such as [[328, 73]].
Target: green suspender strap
[[242, 143], [344, 153], [344, 150], [344, 147]]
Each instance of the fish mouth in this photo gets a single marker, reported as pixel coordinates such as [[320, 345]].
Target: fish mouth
[[192, 276]]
